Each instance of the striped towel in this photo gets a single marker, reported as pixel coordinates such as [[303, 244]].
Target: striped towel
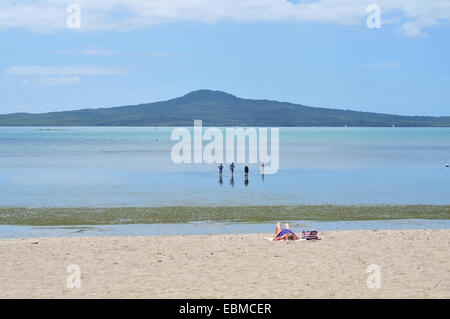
[[310, 234]]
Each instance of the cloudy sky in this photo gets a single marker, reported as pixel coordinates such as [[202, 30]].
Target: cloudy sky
[[313, 52]]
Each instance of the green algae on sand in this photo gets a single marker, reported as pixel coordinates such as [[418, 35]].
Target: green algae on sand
[[248, 214]]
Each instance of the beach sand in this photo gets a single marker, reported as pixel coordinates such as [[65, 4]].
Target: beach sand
[[413, 264]]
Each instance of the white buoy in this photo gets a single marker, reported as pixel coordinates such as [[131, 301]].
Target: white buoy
[[446, 165]]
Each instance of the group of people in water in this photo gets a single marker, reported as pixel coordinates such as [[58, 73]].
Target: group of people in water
[[280, 233], [246, 170]]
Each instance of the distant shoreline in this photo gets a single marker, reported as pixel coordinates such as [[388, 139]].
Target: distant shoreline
[[67, 216], [190, 124], [217, 108]]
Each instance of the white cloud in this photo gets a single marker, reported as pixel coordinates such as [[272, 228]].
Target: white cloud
[[62, 70], [58, 75], [88, 51], [103, 52], [19, 107], [382, 65], [162, 54], [411, 29], [414, 28], [61, 80], [119, 15]]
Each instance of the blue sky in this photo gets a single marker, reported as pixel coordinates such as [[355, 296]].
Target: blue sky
[[323, 55]]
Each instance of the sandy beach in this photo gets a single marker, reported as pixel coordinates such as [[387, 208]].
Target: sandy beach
[[412, 263]]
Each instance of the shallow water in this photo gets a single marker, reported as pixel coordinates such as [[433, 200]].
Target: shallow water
[[205, 228], [110, 167]]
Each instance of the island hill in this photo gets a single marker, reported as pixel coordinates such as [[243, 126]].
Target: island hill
[[218, 108]]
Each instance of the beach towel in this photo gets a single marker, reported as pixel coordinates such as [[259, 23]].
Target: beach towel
[[271, 239]]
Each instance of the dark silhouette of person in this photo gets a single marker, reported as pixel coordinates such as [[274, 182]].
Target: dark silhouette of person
[[220, 170], [232, 181], [232, 168], [246, 175], [220, 180]]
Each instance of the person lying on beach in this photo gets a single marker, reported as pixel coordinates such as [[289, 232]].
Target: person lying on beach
[[285, 233]]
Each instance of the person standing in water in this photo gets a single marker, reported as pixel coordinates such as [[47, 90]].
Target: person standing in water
[[262, 171], [246, 175], [220, 174], [220, 169], [232, 168]]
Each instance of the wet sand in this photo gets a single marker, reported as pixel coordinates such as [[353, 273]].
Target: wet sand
[[412, 263]]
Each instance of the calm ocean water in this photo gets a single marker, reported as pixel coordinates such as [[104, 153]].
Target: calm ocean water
[[96, 166]]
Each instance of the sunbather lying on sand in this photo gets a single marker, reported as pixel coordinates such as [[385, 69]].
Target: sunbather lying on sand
[[285, 233]]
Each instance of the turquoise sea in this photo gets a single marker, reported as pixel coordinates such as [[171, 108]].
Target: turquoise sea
[[118, 166]]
